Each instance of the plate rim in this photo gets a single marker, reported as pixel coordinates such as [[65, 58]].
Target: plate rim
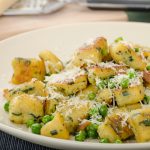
[[71, 24]]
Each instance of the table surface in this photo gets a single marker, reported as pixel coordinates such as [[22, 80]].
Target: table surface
[[13, 25], [71, 13]]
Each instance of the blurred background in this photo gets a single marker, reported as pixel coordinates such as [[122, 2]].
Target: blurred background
[[17, 16]]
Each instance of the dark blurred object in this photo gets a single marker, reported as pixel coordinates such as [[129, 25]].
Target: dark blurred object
[[138, 16], [8, 142], [119, 4]]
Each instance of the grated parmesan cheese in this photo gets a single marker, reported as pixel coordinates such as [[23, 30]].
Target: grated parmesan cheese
[[65, 76]]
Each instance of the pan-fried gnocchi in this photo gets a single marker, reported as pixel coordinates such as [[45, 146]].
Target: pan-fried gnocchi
[[101, 93]]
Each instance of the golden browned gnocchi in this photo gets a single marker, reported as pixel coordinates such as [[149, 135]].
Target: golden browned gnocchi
[[73, 112], [52, 63], [55, 128], [124, 52], [97, 48], [104, 71], [139, 121], [26, 69], [101, 93], [69, 82], [25, 107], [35, 87]]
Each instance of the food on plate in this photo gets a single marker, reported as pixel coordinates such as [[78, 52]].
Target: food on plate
[[101, 93]]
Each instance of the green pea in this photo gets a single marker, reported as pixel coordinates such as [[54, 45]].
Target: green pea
[[118, 39], [148, 67], [6, 106], [131, 75], [118, 141], [104, 140], [91, 96], [92, 134], [81, 136], [92, 131], [111, 85], [125, 83], [137, 49], [103, 110], [36, 128], [147, 99], [101, 85], [47, 118], [30, 122], [93, 111], [92, 126]]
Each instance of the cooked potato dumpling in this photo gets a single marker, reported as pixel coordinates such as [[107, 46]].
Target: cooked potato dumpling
[[123, 52], [146, 54], [104, 95], [118, 121], [69, 82], [84, 93], [35, 87], [104, 71], [139, 121], [73, 111], [55, 128], [52, 63], [129, 96], [25, 107], [106, 131], [146, 76], [26, 69], [97, 50], [128, 108], [53, 99]]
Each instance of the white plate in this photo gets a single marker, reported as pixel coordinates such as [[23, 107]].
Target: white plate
[[63, 41]]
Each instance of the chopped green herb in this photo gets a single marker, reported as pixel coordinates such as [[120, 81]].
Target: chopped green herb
[[125, 83], [131, 58], [125, 93], [54, 132], [146, 122], [91, 96], [137, 49], [103, 110], [118, 39], [48, 74], [148, 67], [6, 106], [17, 114], [103, 52], [147, 99], [28, 89]]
